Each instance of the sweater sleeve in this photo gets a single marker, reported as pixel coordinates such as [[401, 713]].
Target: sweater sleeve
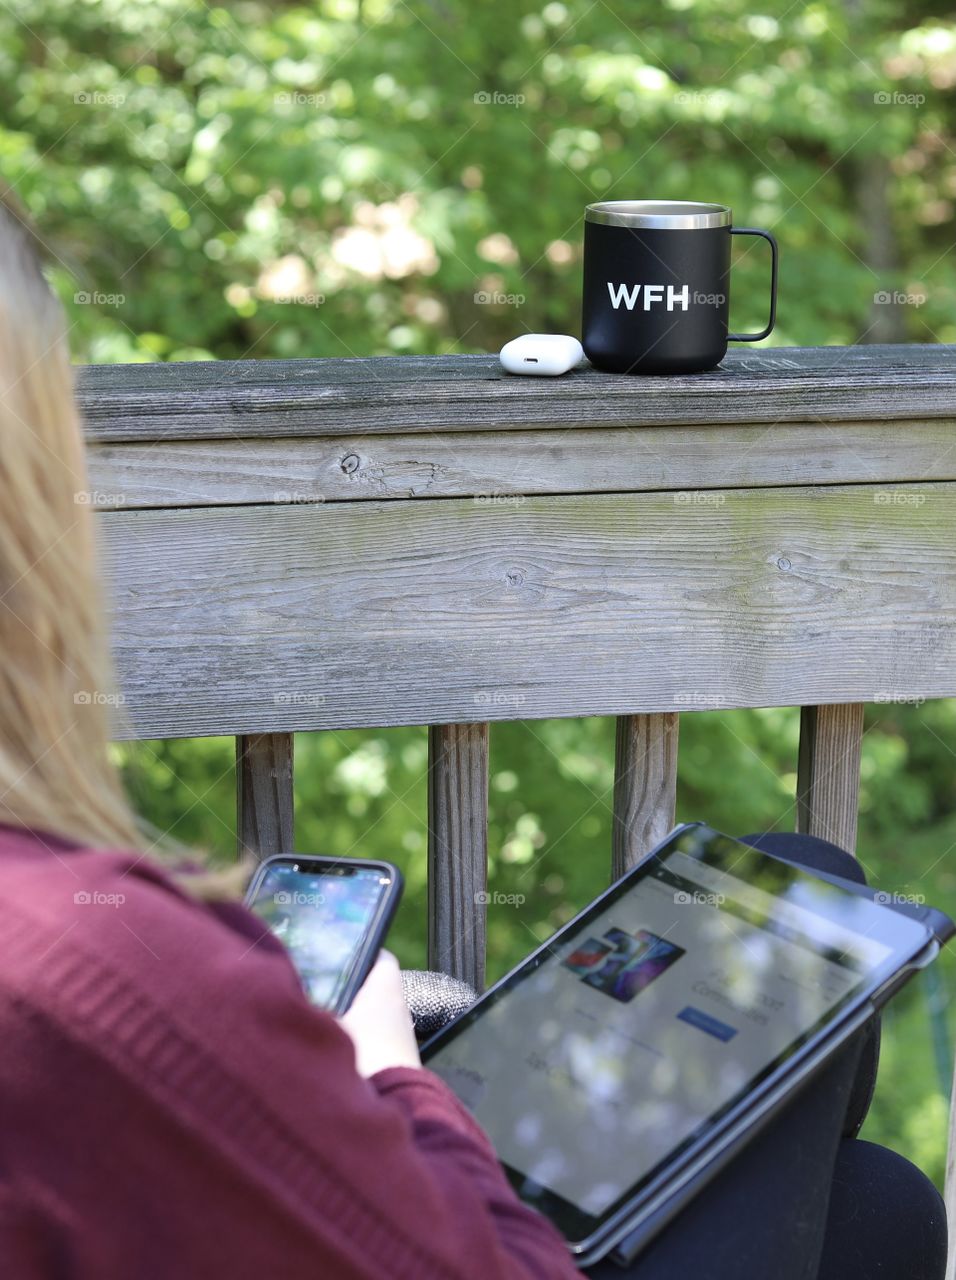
[[240, 1105], [456, 1148]]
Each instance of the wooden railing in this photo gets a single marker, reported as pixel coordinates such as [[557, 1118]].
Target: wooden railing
[[312, 544]]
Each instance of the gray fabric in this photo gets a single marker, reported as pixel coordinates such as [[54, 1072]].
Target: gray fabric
[[434, 999]]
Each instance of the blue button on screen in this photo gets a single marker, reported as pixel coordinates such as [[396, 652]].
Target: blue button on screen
[[704, 1022]]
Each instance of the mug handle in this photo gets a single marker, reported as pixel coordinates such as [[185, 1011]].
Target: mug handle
[[764, 333]]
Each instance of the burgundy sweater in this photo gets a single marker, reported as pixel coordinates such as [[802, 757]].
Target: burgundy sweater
[[172, 1106]]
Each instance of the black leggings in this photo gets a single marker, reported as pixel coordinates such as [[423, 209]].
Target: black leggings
[[807, 1200]]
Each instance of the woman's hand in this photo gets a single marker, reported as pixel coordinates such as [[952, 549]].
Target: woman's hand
[[379, 1023]]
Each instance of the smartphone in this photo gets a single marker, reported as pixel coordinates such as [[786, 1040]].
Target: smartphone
[[332, 914]]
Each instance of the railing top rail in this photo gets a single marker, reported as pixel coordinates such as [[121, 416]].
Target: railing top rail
[[414, 394]]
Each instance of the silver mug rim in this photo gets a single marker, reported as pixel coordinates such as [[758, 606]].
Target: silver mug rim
[[659, 215]]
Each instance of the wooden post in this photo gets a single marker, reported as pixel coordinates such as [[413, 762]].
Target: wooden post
[[828, 772], [264, 793], [645, 785], [457, 849]]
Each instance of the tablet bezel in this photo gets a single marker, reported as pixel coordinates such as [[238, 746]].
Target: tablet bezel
[[906, 937]]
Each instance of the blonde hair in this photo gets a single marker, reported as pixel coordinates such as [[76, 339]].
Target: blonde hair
[[55, 675]]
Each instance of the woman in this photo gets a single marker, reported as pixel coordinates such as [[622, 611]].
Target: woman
[[171, 1104]]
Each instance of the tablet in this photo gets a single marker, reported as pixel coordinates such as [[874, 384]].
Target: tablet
[[629, 1050]]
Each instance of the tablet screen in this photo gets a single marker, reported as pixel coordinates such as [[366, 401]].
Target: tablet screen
[[644, 1021]]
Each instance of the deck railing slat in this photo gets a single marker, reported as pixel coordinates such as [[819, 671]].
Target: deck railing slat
[[360, 468], [645, 785], [457, 849], [264, 793], [412, 394], [408, 612], [828, 772]]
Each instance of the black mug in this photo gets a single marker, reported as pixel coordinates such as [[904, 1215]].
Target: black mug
[[657, 285]]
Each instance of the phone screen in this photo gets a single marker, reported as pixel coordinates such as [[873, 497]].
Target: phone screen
[[322, 915]]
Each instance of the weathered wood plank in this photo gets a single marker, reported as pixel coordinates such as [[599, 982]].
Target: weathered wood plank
[[271, 619], [645, 786], [207, 400], [264, 805], [828, 772], [457, 849], [352, 468]]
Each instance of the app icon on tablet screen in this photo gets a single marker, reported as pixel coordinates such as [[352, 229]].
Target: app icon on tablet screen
[[622, 964]]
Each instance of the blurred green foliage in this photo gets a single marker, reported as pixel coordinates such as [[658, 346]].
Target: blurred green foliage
[[356, 177], [221, 169]]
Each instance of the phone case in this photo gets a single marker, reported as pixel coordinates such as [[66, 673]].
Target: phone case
[[378, 928], [376, 936]]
